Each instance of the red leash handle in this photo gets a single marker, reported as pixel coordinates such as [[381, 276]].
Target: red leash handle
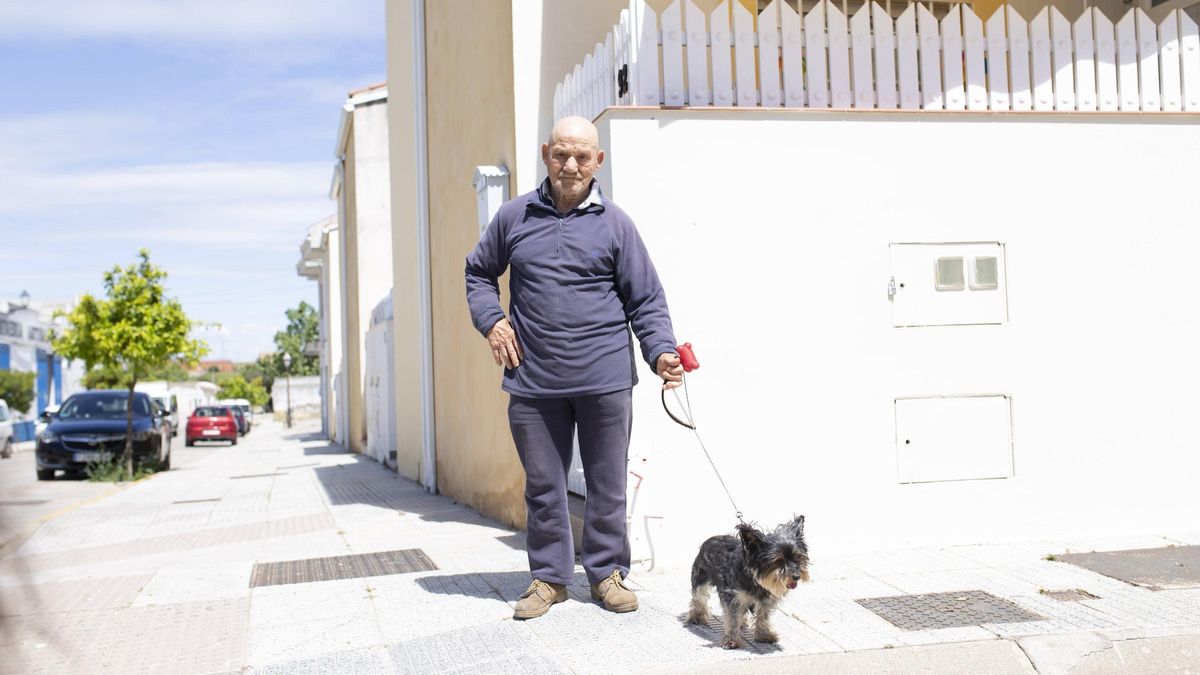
[[687, 357]]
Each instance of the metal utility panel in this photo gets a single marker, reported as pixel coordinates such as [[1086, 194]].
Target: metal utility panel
[[948, 284], [953, 438]]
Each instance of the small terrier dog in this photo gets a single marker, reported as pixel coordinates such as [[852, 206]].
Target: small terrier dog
[[751, 572]]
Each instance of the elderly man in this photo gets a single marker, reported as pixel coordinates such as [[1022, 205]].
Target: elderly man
[[581, 277]]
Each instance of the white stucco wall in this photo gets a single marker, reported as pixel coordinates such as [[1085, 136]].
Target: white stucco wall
[[771, 232], [305, 397], [333, 287], [373, 214]]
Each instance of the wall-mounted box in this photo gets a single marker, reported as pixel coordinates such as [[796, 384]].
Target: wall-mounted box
[[948, 284], [943, 438]]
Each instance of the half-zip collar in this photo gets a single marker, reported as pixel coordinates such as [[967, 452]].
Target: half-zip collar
[[545, 201]]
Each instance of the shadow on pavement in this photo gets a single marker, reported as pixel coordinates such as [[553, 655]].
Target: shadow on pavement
[[304, 437], [364, 481], [713, 630], [506, 586]]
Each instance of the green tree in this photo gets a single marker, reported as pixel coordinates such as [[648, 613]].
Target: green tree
[[237, 387], [134, 329], [303, 329], [16, 388], [263, 369]]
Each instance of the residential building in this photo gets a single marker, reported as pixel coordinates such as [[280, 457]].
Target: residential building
[[351, 259], [207, 366], [321, 261], [938, 283], [25, 346]]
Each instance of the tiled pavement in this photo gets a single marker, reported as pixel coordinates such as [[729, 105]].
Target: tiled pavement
[[142, 583]]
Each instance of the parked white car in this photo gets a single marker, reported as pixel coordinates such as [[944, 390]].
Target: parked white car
[[6, 430]]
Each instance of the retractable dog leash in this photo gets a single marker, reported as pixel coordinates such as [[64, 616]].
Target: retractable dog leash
[[687, 358]]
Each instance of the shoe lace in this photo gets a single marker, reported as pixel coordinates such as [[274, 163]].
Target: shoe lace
[[616, 579], [536, 588]]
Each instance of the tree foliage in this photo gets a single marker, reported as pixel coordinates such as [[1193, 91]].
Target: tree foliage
[[134, 329], [16, 388], [303, 328], [237, 387], [114, 377]]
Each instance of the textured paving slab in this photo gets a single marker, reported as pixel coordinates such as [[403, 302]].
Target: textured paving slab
[[946, 610], [997, 657], [1153, 568], [381, 563], [183, 638]]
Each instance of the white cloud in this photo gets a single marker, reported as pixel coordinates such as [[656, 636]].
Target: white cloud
[[214, 205], [194, 21]]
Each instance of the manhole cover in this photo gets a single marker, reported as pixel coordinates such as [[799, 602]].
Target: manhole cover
[[341, 567], [1070, 595], [946, 610], [1154, 568]]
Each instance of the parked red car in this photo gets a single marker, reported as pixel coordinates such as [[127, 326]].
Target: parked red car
[[211, 423]]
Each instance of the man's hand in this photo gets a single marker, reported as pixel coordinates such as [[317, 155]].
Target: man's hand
[[505, 348], [670, 370]]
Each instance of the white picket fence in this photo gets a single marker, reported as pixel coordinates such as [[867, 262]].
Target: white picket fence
[[684, 57]]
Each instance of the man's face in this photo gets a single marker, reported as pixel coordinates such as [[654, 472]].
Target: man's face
[[571, 162]]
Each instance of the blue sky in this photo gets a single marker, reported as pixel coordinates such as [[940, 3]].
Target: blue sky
[[202, 130]]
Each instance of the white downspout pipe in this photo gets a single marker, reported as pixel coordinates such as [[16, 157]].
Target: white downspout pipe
[[429, 455]]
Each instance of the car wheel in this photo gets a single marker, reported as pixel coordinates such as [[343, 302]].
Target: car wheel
[[233, 441], [189, 442], [6, 451], [45, 474]]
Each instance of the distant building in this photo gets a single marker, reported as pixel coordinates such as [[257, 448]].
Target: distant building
[[25, 347], [214, 366]]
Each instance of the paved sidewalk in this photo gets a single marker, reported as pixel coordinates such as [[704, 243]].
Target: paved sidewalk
[[157, 579]]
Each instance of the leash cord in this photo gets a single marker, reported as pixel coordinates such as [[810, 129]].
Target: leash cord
[[691, 424]]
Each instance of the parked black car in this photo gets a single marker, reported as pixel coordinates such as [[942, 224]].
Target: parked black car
[[90, 426]]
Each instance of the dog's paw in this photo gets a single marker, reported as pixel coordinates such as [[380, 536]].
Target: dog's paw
[[698, 618], [732, 643], [766, 636]]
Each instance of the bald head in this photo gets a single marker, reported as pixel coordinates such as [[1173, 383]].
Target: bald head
[[577, 129], [572, 156]]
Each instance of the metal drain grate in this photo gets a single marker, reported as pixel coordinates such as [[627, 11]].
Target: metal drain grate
[[378, 564], [946, 610], [1070, 595], [196, 501], [1170, 567], [257, 475]]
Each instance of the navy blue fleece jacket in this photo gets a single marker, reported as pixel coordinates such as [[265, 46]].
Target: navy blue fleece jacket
[[579, 281]]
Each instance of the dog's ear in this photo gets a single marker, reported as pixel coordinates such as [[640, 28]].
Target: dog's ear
[[751, 537], [794, 530]]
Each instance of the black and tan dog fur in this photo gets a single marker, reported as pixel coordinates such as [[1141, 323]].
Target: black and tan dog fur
[[751, 573]]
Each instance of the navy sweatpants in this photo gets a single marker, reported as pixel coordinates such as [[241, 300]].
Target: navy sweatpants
[[542, 429]]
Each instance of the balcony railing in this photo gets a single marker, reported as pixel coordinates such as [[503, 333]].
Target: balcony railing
[[870, 60]]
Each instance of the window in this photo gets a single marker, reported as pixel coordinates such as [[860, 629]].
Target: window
[[950, 274], [985, 274]]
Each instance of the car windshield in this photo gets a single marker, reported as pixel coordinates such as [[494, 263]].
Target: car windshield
[[211, 412], [102, 406]]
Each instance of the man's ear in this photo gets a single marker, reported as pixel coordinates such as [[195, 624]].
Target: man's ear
[[546, 154], [599, 160]]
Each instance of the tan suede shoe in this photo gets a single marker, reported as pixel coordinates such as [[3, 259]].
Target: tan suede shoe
[[536, 599], [613, 593]]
